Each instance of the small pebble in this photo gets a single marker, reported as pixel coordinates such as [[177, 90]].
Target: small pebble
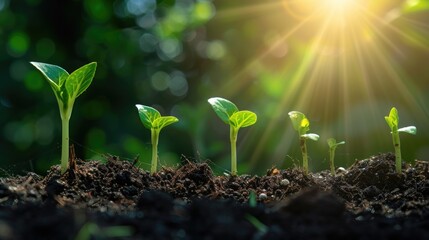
[[342, 170], [263, 196], [285, 182]]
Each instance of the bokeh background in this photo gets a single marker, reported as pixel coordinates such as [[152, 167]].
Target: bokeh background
[[344, 63]]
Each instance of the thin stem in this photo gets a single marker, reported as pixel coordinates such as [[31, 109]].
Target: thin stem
[[155, 137], [397, 145], [331, 160], [65, 145], [233, 138], [304, 154]]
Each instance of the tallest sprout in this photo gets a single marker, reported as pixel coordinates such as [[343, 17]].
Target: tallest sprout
[[229, 114], [393, 121], [67, 87]]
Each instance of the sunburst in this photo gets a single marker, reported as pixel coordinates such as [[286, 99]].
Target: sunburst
[[347, 72]]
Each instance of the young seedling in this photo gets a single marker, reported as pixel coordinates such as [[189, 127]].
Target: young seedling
[[229, 114], [393, 121], [332, 146], [67, 87], [153, 120], [302, 126]]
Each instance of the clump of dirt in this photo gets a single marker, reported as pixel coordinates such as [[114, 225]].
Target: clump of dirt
[[367, 201]]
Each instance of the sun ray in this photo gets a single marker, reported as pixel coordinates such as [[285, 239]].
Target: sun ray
[[342, 67]]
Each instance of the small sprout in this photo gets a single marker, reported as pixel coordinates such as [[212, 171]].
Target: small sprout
[[252, 199], [67, 87], [153, 120], [302, 125], [229, 114], [393, 122], [332, 146]]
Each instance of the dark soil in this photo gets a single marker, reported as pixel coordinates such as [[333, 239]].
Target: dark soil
[[117, 200]]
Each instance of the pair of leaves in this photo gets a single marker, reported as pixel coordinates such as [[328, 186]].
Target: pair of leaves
[[302, 125], [67, 87], [333, 143], [152, 119], [229, 113], [393, 121]]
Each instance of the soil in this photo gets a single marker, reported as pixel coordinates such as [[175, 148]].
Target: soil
[[117, 200]]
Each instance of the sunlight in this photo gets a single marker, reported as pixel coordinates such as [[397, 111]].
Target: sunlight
[[343, 67], [338, 5]]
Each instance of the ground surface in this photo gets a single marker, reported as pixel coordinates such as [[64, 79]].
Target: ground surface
[[117, 200]]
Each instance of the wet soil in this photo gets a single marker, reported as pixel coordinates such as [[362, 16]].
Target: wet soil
[[117, 200]]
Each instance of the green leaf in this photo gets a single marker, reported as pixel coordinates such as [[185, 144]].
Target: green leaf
[[162, 122], [333, 143], [393, 119], [243, 119], [147, 115], [311, 136], [223, 108], [296, 118], [55, 75], [79, 80], [409, 129], [300, 122]]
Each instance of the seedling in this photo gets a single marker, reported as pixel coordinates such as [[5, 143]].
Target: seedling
[[153, 120], [393, 121], [302, 125], [229, 114], [67, 87], [332, 146]]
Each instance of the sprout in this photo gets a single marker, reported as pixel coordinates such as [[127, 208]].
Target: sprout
[[67, 87], [302, 126], [332, 146], [153, 120], [229, 114], [393, 121]]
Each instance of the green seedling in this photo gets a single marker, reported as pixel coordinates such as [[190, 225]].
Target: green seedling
[[332, 146], [393, 121], [229, 114], [67, 87], [153, 120], [302, 125]]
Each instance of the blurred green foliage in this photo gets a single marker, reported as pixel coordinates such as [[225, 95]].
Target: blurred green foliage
[[174, 55]]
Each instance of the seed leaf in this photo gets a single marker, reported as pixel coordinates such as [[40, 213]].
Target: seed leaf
[[79, 80], [147, 115], [243, 119], [55, 75], [311, 136], [409, 129], [162, 122], [333, 143], [393, 119], [296, 118], [223, 108]]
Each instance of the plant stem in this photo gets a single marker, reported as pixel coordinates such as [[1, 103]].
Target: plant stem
[[331, 160], [233, 138], [397, 145], [65, 144], [155, 137], [304, 154]]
